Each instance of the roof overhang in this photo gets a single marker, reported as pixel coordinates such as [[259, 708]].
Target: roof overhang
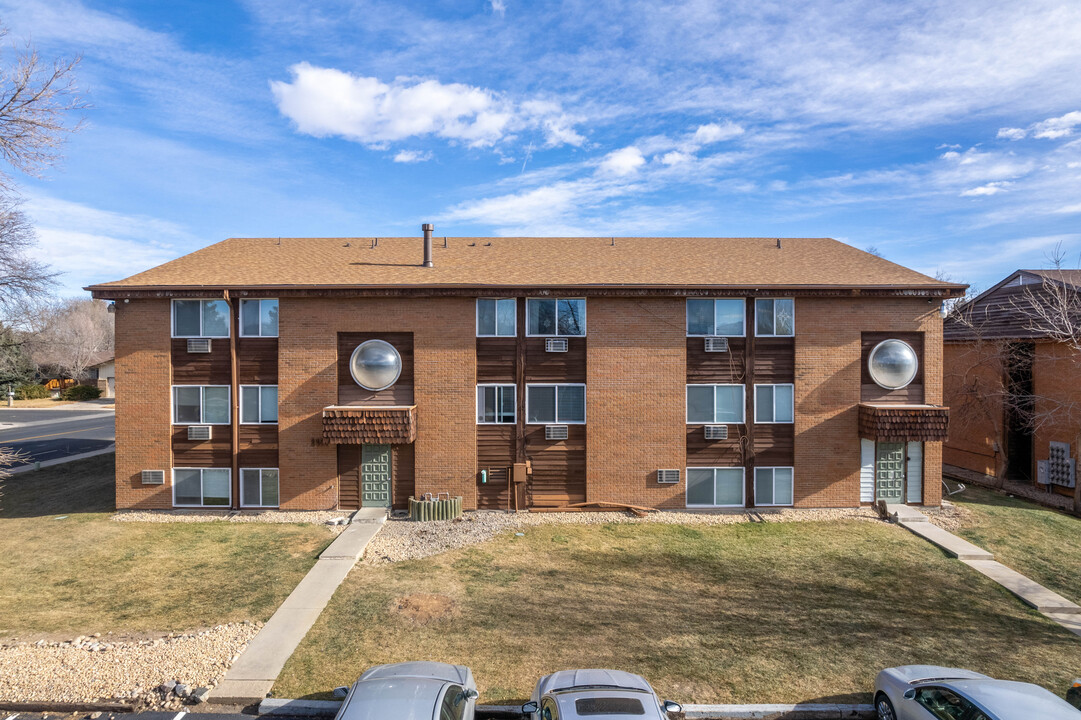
[[891, 422]]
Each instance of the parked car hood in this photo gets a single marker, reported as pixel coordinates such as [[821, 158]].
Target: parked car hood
[[924, 673], [420, 669], [396, 697], [567, 679]]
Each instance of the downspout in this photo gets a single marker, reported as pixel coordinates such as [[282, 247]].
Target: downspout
[[234, 398]]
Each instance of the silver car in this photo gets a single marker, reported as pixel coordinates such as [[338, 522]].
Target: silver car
[[929, 692], [411, 691], [596, 695]]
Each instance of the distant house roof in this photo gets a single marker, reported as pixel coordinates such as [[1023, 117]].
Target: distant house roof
[[1003, 311], [489, 264], [101, 359]]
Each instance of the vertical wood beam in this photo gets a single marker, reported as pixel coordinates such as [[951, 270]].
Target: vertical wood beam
[[748, 384], [234, 396], [519, 385]]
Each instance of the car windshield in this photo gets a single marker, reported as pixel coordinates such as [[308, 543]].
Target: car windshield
[[609, 706]]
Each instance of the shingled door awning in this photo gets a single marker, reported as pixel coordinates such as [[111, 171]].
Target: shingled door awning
[[356, 425], [903, 423]]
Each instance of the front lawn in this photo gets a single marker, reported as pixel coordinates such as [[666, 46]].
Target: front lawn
[[1036, 541], [65, 567], [731, 613]]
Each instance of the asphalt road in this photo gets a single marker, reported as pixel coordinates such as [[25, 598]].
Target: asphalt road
[[52, 434]]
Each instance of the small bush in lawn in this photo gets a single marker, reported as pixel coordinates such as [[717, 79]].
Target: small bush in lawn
[[81, 392], [31, 392]]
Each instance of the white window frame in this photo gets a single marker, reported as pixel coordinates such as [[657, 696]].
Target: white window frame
[[715, 421], [240, 405], [757, 334], [715, 468], [227, 505], [496, 300], [261, 470], [557, 421], [773, 475], [514, 390], [743, 318], [240, 325], [202, 405], [172, 318], [774, 422], [556, 333]]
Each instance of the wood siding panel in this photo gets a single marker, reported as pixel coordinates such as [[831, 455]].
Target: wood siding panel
[[715, 367], [774, 360], [257, 361], [403, 475], [212, 368], [559, 467], [349, 393], [216, 452], [495, 452], [348, 477], [870, 391], [774, 445], [258, 446], [544, 366], [495, 360], [714, 453]]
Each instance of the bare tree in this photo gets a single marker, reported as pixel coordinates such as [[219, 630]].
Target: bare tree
[[74, 334], [23, 279]]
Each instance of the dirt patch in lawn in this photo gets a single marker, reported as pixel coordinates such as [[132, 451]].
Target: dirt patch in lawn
[[423, 608]]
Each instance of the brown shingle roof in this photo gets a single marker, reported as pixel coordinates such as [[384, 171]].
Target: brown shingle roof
[[529, 262]]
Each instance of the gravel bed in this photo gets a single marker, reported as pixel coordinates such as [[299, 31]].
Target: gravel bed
[[402, 539], [92, 668], [949, 517], [335, 519]]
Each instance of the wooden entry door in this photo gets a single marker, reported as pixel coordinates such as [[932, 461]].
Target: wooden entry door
[[890, 472], [375, 475]]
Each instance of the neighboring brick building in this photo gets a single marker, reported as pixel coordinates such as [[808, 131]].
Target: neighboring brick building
[[528, 372], [1015, 390]]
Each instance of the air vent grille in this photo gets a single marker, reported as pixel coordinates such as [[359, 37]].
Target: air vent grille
[[153, 477], [198, 345], [716, 432], [668, 477], [555, 345], [555, 432], [198, 432], [716, 344]]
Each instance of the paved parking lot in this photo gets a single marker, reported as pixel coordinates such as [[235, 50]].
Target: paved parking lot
[[52, 434]]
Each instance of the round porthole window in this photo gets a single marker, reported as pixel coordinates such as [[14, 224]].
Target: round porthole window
[[893, 364], [375, 365]]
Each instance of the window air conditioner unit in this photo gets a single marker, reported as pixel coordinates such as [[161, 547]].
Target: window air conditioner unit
[[153, 477], [198, 345], [668, 477], [198, 432], [716, 432], [555, 432], [716, 344], [555, 345]]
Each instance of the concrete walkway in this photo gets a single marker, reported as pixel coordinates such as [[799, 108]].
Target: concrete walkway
[[251, 677], [1051, 604]]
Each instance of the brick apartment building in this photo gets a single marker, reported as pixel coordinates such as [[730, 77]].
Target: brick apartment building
[[324, 373]]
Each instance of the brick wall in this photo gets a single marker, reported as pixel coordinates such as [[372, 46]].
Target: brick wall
[[827, 449], [973, 387], [1056, 377], [444, 347], [143, 425], [635, 398]]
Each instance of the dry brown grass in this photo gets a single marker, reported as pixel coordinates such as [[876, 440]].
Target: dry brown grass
[[737, 613]]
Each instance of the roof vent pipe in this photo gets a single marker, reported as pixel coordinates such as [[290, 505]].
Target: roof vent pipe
[[427, 228]]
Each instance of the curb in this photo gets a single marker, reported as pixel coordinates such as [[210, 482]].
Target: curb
[[799, 711], [61, 461], [59, 707]]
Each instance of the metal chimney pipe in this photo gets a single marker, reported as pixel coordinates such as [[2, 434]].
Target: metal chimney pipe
[[427, 228]]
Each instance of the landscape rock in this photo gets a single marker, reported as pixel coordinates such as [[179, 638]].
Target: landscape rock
[[182, 691], [200, 695]]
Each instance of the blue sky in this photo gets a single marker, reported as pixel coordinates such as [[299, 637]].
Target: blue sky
[[945, 134]]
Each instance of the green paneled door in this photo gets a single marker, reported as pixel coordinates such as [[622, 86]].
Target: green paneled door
[[890, 472], [375, 476]]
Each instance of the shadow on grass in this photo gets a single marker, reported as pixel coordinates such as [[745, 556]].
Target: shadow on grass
[[83, 486]]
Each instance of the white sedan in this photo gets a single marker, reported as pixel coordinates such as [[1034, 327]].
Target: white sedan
[[596, 695], [411, 691], [929, 692]]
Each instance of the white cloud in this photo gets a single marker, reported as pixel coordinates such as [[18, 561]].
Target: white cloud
[[676, 158], [622, 162], [325, 102], [412, 156], [1054, 128], [991, 188], [499, 7], [1012, 133], [711, 133]]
